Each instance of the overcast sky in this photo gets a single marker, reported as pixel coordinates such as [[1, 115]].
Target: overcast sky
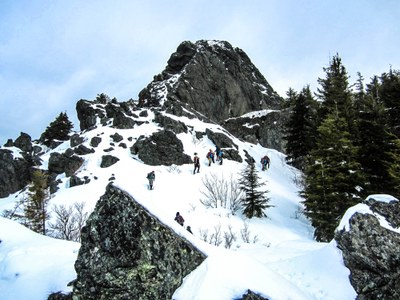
[[53, 53]]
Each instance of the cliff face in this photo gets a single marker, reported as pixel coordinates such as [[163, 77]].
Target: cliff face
[[214, 79], [127, 253]]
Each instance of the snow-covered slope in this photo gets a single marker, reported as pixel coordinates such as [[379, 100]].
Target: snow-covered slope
[[281, 261]]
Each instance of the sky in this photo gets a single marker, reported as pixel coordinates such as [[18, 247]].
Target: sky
[[53, 53]]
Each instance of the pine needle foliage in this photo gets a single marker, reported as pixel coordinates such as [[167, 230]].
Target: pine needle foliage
[[254, 201]]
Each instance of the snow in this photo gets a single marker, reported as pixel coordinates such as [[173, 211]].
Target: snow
[[282, 261]]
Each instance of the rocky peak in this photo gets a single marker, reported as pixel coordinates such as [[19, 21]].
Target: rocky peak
[[214, 78]]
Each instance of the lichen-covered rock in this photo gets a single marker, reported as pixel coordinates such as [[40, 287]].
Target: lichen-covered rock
[[127, 253], [371, 251], [161, 148], [250, 295]]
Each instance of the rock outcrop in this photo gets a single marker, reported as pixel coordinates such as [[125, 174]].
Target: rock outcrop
[[15, 173], [161, 148], [370, 248], [127, 253], [214, 78]]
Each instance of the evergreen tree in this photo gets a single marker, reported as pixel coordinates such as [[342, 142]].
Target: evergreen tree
[[379, 153], [254, 201], [59, 129], [35, 209], [332, 181], [335, 93], [389, 94], [301, 129]]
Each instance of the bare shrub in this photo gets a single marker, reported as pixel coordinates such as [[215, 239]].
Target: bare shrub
[[69, 221], [221, 192], [229, 237], [246, 235]]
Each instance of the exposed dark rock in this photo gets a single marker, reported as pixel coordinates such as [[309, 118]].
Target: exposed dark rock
[[121, 121], [75, 180], [268, 130], [108, 149], [76, 140], [95, 141], [117, 137], [60, 296], [144, 113], [161, 148], [108, 160], [214, 78], [15, 173], [170, 124], [390, 211], [252, 296], [371, 253], [83, 150], [220, 139], [9, 143], [24, 142], [122, 145], [88, 113], [126, 253], [60, 163]]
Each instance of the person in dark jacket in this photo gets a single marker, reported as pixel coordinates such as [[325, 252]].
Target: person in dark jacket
[[179, 219], [151, 177], [196, 160]]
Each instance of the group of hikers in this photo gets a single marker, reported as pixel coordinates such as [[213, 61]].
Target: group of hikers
[[265, 164], [211, 156]]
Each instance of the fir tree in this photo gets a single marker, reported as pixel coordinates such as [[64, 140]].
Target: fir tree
[[35, 209], [59, 129], [301, 129], [379, 153], [332, 181], [335, 93], [389, 94], [254, 201]]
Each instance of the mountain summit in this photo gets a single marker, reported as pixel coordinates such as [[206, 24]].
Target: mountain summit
[[213, 78]]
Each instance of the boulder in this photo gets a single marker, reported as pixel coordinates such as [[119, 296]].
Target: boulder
[[108, 161], [60, 163], [127, 253], [24, 142], [370, 250], [161, 148]]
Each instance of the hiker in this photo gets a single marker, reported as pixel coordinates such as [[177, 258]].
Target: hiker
[[220, 156], [265, 162], [179, 218], [210, 157], [151, 177], [196, 160], [217, 150], [189, 229]]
